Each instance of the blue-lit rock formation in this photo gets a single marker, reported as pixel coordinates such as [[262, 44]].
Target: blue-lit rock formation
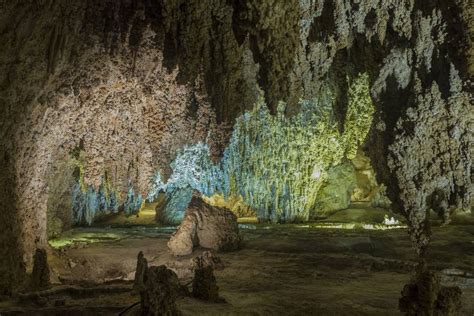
[[88, 203], [192, 170], [177, 202]]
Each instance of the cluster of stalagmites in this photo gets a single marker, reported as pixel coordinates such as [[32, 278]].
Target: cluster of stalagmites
[[283, 168], [159, 287], [205, 226]]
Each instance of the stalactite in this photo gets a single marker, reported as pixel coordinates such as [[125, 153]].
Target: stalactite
[[277, 164], [90, 203]]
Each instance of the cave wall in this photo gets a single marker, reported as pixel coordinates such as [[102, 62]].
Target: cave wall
[[102, 77], [418, 55], [134, 81]]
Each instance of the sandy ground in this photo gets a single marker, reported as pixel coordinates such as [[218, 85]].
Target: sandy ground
[[281, 270]]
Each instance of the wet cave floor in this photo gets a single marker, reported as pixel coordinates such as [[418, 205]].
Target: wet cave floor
[[281, 270]]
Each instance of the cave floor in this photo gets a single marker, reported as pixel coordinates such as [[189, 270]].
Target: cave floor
[[281, 270]]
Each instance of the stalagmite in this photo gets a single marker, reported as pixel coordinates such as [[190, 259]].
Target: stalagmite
[[40, 275]]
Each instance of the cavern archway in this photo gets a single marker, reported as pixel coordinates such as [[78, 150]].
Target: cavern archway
[[284, 112]]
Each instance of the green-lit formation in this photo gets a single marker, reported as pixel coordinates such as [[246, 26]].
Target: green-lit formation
[[359, 115], [278, 164]]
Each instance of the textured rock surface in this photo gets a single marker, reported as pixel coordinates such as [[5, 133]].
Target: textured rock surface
[[40, 274], [185, 238], [184, 267], [206, 226], [161, 292], [204, 282], [136, 80], [351, 181], [95, 75], [427, 297], [274, 51], [176, 203], [336, 192], [417, 56], [234, 203], [140, 273]]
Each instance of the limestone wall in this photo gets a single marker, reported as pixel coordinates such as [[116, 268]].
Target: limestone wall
[[134, 81]]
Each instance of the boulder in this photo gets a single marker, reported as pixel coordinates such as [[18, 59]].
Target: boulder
[[205, 226]]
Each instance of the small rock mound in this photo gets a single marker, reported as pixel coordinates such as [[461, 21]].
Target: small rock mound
[[162, 289], [427, 297], [206, 226]]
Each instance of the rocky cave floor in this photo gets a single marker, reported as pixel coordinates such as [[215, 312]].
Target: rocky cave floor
[[299, 269]]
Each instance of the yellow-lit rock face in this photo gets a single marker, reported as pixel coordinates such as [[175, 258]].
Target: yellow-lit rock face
[[234, 203], [278, 164]]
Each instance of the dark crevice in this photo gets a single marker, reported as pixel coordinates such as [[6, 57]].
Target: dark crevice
[[371, 19], [324, 24]]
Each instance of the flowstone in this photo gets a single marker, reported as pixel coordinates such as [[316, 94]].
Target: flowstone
[[275, 163], [335, 194]]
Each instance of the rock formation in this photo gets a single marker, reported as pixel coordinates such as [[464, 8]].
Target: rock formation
[[161, 292], [40, 275], [427, 297], [204, 282], [336, 192], [101, 77], [129, 83], [205, 226], [140, 273]]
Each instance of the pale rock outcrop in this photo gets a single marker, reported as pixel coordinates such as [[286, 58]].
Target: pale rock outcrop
[[205, 226], [336, 192]]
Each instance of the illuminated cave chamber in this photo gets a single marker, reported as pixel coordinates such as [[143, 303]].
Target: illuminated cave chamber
[[276, 168], [112, 113], [283, 169]]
